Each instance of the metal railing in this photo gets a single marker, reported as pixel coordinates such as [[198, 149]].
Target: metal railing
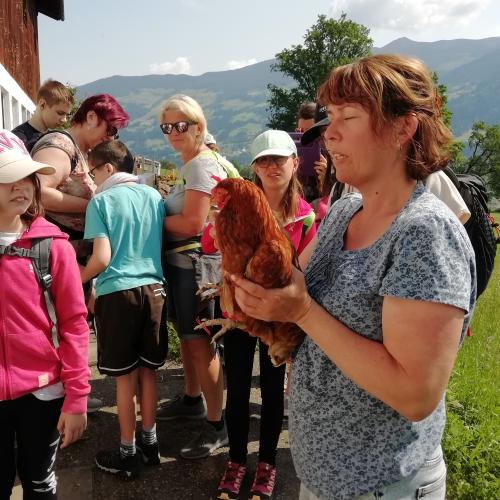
[[147, 170]]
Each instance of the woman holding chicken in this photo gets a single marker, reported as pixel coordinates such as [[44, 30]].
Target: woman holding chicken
[[386, 298], [275, 162]]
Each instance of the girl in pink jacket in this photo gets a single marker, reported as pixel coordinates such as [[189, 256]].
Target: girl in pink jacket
[[43, 387]]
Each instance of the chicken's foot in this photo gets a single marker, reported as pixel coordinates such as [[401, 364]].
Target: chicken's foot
[[225, 323], [208, 291]]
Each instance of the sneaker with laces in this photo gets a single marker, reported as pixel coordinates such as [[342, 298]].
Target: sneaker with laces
[[230, 483], [112, 462], [207, 441], [178, 409], [263, 483], [150, 452]]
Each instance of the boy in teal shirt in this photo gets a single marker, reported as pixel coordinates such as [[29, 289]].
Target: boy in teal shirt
[[125, 220]]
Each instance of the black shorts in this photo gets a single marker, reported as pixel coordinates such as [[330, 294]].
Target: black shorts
[[184, 304], [131, 329]]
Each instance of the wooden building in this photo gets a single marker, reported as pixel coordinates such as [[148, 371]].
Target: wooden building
[[19, 56]]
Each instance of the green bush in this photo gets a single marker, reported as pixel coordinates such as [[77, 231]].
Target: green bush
[[174, 351]]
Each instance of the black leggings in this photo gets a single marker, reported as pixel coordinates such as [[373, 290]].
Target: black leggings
[[32, 424], [239, 350]]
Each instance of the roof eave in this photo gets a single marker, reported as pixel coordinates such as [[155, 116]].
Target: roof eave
[[51, 8]]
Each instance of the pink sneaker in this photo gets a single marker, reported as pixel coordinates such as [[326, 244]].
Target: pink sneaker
[[230, 483], [263, 483]]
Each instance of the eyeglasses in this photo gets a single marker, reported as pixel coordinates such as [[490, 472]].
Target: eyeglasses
[[181, 127], [112, 131], [266, 161], [91, 171]]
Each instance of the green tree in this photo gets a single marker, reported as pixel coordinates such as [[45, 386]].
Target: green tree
[[327, 44], [484, 157], [167, 165], [442, 92], [456, 147], [76, 105], [245, 171]]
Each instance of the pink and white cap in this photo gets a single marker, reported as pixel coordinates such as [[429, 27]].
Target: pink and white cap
[[15, 161]]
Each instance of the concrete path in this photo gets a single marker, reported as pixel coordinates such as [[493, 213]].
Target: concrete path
[[175, 478]]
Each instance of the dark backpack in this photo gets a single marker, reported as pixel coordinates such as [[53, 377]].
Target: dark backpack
[[338, 188], [39, 253], [480, 227], [73, 159]]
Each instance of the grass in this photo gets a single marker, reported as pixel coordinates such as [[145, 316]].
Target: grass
[[174, 351], [472, 435]]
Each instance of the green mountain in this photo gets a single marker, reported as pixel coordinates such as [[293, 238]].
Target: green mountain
[[235, 102], [469, 68]]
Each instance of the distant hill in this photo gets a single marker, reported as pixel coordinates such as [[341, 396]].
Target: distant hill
[[469, 68], [235, 102]]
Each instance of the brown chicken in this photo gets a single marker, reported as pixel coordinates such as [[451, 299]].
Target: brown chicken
[[252, 244]]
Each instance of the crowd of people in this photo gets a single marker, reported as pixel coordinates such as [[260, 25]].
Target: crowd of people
[[384, 289]]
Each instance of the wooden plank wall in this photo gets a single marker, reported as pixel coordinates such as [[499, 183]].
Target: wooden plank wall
[[19, 43]]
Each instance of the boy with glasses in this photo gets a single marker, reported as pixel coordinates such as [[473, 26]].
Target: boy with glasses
[[124, 220]]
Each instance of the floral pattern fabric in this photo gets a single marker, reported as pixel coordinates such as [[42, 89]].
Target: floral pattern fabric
[[344, 441], [74, 184]]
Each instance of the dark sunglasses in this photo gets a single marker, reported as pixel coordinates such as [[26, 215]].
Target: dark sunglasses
[[267, 160], [112, 131], [181, 127]]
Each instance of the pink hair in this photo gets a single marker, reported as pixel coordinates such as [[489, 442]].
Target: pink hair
[[106, 107]]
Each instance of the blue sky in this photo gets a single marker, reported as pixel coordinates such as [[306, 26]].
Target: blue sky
[[100, 38]]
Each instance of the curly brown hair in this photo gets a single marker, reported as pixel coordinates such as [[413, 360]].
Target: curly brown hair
[[391, 86]]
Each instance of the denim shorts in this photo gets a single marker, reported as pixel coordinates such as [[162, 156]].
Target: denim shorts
[[429, 483], [183, 305]]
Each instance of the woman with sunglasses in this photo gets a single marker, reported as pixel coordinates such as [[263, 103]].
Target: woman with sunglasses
[[275, 163], [66, 193], [187, 207]]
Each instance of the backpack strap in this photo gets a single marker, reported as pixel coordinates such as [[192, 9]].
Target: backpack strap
[[12, 251], [40, 259], [228, 167], [39, 254], [453, 177], [337, 192]]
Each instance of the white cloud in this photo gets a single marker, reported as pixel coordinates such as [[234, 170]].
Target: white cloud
[[240, 64], [180, 66], [410, 15]]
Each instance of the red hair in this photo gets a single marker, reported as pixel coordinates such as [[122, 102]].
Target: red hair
[[106, 107]]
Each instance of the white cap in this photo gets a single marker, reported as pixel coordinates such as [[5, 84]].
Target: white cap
[[272, 142], [15, 161], [209, 139]]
